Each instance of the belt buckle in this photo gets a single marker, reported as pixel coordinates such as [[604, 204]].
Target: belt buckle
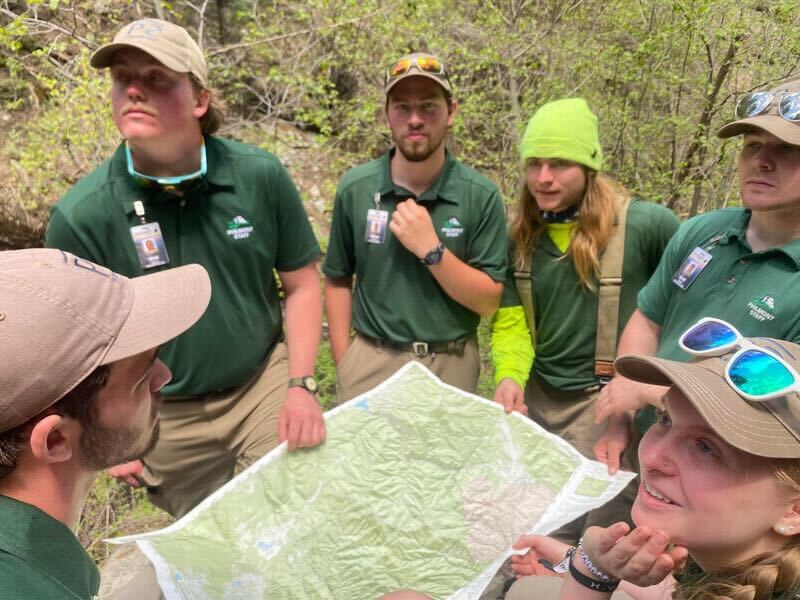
[[420, 349]]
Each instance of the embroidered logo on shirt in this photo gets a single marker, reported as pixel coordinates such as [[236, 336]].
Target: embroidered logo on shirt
[[763, 308], [239, 228], [452, 227]]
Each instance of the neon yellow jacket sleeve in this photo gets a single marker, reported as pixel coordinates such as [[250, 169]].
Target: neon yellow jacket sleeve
[[512, 350]]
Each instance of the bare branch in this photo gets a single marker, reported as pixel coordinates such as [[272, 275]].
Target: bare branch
[[285, 36]]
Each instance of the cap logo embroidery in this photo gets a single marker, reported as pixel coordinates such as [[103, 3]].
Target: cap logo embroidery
[[146, 29]]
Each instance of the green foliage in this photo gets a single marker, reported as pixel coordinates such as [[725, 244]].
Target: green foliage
[[113, 509], [304, 80], [655, 72]]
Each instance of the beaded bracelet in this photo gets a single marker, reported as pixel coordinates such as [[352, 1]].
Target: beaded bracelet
[[589, 565]]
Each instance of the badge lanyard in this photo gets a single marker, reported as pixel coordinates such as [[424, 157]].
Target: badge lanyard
[[149, 242]]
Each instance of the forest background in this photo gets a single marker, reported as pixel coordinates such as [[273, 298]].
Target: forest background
[[304, 80]]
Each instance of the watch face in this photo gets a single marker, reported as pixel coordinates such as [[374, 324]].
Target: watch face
[[434, 257], [310, 384]]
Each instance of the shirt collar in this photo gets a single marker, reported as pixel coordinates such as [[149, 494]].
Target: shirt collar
[[47, 545], [737, 231], [441, 189]]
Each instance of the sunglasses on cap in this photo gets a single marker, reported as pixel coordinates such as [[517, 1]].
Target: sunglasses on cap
[[168, 184], [758, 103], [757, 374], [424, 63]]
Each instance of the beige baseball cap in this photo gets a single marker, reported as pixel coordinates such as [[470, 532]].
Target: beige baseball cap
[[770, 121], [770, 428], [61, 317], [169, 44], [418, 64]]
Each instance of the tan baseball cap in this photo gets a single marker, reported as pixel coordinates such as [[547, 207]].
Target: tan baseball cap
[[770, 121], [770, 428], [61, 317], [169, 44], [413, 65]]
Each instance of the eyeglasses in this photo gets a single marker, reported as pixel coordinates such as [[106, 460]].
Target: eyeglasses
[[169, 184], [756, 373], [758, 103], [424, 63]]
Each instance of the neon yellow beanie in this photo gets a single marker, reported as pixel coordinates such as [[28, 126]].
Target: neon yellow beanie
[[565, 129]]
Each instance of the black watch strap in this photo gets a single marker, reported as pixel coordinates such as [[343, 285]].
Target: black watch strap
[[434, 257], [604, 587]]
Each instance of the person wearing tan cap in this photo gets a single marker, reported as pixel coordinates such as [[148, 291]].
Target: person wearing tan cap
[[739, 264], [719, 498], [80, 387], [423, 235], [174, 193]]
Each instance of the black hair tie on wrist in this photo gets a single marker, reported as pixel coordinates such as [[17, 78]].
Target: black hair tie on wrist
[[605, 587]]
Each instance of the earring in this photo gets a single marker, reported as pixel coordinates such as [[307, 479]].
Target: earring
[[785, 529]]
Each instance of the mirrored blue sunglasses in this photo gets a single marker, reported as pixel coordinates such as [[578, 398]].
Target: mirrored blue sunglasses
[[756, 373]]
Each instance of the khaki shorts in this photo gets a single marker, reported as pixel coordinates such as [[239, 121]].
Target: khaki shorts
[[205, 441], [570, 415], [366, 364]]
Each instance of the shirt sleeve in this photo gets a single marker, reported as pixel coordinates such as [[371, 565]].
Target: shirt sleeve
[[297, 245], [488, 249], [340, 258], [512, 350], [61, 235]]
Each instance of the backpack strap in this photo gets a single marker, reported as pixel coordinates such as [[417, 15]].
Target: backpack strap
[[608, 294], [522, 279]]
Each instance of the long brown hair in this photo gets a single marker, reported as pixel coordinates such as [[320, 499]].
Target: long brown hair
[[598, 209], [762, 577]]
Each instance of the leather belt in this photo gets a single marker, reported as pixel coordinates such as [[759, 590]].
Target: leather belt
[[421, 349]]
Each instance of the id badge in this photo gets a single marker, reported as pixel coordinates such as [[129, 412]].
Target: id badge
[[149, 245], [691, 268], [376, 226]]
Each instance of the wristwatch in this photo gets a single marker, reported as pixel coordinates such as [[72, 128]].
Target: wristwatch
[[307, 382], [434, 257]]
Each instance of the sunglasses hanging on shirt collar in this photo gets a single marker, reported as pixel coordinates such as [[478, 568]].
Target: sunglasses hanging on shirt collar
[[168, 184]]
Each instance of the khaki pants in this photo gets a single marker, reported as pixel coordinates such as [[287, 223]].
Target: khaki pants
[[570, 415], [205, 441], [544, 588], [366, 364]]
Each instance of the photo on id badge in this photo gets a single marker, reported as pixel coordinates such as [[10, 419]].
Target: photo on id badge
[[691, 268], [149, 245]]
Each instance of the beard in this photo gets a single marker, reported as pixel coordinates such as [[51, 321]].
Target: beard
[[418, 151], [103, 447]]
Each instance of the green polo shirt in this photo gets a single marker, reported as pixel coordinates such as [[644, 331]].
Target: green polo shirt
[[40, 558], [242, 222], [396, 298], [566, 312], [757, 292]]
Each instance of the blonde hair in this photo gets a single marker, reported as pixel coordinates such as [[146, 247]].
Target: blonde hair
[[598, 209], [762, 577]]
